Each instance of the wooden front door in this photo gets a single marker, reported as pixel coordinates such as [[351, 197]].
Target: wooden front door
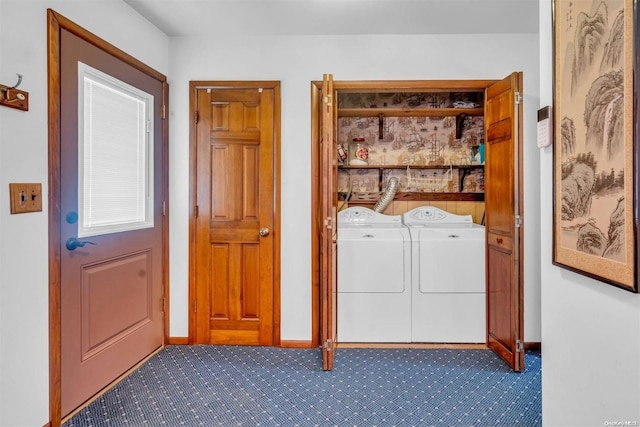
[[235, 212], [504, 207], [328, 226], [111, 217]]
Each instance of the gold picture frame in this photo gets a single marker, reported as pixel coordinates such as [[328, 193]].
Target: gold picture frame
[[594, 156]]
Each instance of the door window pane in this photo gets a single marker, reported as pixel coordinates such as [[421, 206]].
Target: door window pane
[[115, 170]]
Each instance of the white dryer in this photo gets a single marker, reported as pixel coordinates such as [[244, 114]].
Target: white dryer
[[448, 277], [374, 277]]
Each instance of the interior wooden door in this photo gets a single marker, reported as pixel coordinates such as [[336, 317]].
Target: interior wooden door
[[328, 228], [234, 214], [111, 204], [504, 207]]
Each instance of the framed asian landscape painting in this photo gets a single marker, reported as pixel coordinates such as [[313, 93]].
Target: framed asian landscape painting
[[595, 155]]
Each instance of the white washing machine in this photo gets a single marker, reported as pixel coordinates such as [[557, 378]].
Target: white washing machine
[[448, 277], [374, 277]]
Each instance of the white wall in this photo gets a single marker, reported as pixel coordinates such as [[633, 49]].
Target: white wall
[[296, 61], [24, 324], [590, 330]]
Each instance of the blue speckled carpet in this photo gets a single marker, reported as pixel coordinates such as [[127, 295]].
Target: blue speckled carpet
[[265, 386]]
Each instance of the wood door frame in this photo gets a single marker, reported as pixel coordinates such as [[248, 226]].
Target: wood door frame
[[316, 167], [55, 24], [193, 180], [316, 225], [329, 218]]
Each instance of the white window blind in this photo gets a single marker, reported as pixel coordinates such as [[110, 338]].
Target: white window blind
[[115, 152]]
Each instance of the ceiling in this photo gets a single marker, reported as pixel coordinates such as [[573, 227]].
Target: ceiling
[[338, 17]]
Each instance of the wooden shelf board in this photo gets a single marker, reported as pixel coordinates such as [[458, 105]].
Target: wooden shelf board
[[369, 86], [410, 166], [472, 197], [408, 112], [422, 197]]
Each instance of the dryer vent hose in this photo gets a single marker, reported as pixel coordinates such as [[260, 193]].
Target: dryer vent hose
[[388, 195]]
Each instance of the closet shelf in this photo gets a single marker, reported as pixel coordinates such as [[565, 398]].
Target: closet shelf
[[410, 166], [370, 199], [408, 112]]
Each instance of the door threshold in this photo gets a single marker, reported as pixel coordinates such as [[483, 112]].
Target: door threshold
[[455, 346]]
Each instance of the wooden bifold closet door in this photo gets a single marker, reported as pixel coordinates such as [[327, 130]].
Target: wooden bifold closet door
[[503, 203]]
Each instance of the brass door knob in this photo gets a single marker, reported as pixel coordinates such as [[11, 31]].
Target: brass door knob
[[264, 231]]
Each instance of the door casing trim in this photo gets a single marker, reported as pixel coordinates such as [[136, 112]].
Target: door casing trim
[[55, 23]]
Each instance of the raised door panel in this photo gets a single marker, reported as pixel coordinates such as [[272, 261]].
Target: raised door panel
[[116, 300], [220, 277], [220, 116], [249, 289], [500, 197], [250, 182], [501, 295], [220, 182]]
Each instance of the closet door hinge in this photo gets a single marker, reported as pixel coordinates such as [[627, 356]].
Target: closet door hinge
[[196, 117], [164, 208], [196, 211], [328, 345], [328, 222], [164, 112], [164, 305], [519, 346], [195, 306], [518, 221], [518, 98]]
